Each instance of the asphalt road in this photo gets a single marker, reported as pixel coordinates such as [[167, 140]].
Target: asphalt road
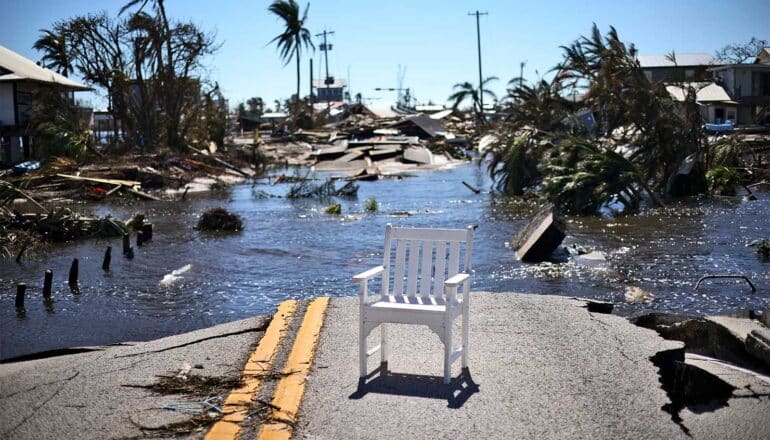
[[541, 367], [93, 395]]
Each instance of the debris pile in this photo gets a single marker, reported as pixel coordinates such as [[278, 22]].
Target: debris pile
[[363, 146], [129, 176], [219, 219]]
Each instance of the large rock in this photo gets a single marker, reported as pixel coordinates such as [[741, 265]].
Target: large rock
[[540, 238]]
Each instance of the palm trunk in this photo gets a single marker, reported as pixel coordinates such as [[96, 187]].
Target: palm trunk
[[298, 80]]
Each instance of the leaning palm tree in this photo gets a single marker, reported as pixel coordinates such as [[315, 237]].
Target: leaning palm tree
[[295, 35], [466, 91], [55, 51]]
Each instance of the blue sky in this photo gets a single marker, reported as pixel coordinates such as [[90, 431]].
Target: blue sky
[[434, 40]]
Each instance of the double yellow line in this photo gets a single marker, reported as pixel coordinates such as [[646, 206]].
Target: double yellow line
[[288, 394]]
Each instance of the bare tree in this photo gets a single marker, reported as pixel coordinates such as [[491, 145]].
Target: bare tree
[[741, 53]]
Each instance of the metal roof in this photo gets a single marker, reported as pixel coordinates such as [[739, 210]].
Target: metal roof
[[682, 60], [21, 68], [706, 92]]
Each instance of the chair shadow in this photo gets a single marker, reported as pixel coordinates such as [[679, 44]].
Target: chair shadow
[[456, 393]]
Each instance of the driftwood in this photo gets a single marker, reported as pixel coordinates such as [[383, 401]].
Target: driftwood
[[128, 185], [220, 162]]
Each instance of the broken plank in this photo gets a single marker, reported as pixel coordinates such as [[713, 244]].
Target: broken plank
[[220, 162], [143, 195], [127, 183]]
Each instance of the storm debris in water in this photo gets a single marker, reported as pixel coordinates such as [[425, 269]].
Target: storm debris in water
[[219, 219]]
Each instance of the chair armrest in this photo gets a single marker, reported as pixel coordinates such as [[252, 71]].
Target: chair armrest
[[369, 274], [456, 280]]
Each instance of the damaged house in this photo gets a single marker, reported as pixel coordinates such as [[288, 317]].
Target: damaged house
[[20, 80], [726, 92]]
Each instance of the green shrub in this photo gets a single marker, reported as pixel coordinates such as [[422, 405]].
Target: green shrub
[[371, 205]]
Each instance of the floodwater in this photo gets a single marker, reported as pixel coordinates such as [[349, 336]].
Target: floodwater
[[292, 249]]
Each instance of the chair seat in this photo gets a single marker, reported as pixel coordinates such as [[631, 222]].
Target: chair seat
[[428, 304]]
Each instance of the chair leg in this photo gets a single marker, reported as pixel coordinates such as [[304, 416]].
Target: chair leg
[[384, 349], [466, 330], [447, 352], [361, 349]]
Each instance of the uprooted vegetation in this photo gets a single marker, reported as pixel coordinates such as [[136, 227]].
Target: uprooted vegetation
[[624, 141], [219, 219], [19, 232], [306, 189]]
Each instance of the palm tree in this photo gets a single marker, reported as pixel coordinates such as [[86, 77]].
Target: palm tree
[[256, 106], [55, 51], [295, 35], [465, 91]]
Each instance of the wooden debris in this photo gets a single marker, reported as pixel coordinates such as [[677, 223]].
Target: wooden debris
[[542, 235]]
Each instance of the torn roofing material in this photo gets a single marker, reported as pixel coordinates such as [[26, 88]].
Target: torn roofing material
[[420, 125]]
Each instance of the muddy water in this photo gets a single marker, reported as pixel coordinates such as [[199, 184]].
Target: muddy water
[[291, 249]]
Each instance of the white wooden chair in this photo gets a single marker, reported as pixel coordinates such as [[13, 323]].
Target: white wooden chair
[[428, 267]]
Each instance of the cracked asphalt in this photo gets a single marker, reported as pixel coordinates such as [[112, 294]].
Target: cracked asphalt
[[93, 395], [541, 367]]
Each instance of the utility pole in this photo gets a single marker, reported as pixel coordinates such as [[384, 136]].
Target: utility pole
[[328, 81], [326, 47], [478, 42]]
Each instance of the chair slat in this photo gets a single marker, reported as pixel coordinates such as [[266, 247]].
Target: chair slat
[[414, 264], [398, 275], [426, 268], [438, 276], [454, 259], [429, 234]]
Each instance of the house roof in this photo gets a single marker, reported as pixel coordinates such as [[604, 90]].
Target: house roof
[[428, 127], [763, 57], [740, 66], [20, 69], [706, 92], [682, 60]]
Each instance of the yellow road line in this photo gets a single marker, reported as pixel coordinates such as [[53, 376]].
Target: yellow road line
[[288, 394], [237, 403]]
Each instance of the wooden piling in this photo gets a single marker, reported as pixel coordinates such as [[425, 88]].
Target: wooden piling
[[47, 282], [107, 259], [139, 239], [147, 231], [73, 279], [20, 289], [130, 253], [126, 243]]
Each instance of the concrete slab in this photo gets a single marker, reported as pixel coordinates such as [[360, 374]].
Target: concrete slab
[[90, 395], [540, 367], [745, 416]]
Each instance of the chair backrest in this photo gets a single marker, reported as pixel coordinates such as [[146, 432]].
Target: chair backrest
[[417, 261]]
